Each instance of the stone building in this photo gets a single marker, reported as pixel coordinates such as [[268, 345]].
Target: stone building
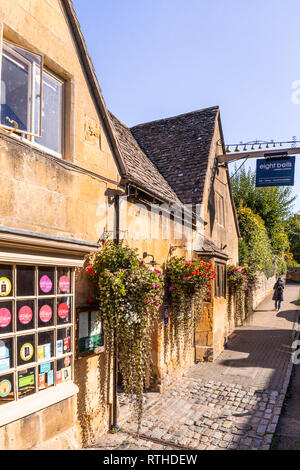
[[67, 166]]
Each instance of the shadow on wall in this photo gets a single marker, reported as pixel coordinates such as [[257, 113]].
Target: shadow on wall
[[91, 420]]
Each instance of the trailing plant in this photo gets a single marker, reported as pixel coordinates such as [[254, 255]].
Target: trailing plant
[[187, 285], [129, 296], [242, 281]]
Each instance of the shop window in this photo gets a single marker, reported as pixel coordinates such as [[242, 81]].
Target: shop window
[[31, 98], [36, 330], [220, 280]]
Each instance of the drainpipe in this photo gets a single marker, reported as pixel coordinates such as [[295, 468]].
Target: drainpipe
[[114, 425]]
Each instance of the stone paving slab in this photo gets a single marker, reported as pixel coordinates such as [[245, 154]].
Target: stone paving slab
[[233, 404]]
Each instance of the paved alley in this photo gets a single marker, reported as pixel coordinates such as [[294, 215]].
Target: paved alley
[[233, 404]]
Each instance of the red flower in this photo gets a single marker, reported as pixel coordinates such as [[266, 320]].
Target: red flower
[[90, 271], [91, 300]]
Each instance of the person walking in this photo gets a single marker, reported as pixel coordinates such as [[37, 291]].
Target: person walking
[[278, 293]]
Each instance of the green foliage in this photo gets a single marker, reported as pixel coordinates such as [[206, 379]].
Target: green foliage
[[243, 252], [242, 281], [293, 231], [242, 277], [255, 236], [272, 204], [129, 297], [281, 266], [187, 284]]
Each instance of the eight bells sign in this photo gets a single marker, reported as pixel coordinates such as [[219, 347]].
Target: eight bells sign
[[275, 171]]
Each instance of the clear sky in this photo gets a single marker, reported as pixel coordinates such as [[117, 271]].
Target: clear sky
[[160, 58]]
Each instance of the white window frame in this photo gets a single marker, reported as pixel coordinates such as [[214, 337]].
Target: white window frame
[[62, 130], [30, 137], [14, 53]]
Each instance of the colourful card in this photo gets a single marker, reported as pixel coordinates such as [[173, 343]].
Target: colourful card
[[47, 349], [40, 353], [59, 347], [58, 377], [42, 384], [4, 364], [50, 378]]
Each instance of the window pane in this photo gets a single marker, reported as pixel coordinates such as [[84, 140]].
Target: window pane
[[18, 68], [6, 281], [90, 331], [63, 343], [64, 370], [51, 114], [46, 376], [6, 317], [15, 90], [46, 318], [25, 315], [63, 281], [6, 354], [26, 383], [26, 349], [45, 345], [46, 281], [64, 311], [6, 389], [25, 281]]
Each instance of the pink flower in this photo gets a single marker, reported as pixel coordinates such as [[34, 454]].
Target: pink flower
[[171, 288]]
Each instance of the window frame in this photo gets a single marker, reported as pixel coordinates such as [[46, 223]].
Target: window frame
[[220, 281], [15, 334], [30, 137], [79, 311], [62, 114], [220, 209], [10, 129]]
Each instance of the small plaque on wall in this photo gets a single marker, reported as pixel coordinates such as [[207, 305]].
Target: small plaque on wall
[[90, 338]]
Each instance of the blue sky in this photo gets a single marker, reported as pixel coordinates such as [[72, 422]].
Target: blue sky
[[160, 58]]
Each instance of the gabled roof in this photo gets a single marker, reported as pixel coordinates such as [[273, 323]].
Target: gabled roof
[[93, 81], [177, 148], [139, 167], [180, 148]]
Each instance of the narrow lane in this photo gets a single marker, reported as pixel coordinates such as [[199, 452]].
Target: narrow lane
[[234, 403]]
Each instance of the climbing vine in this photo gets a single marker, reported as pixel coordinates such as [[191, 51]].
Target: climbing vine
[[129, 296], [187, 285]]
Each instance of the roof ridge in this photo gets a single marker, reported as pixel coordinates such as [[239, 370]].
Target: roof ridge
[[217, 107]]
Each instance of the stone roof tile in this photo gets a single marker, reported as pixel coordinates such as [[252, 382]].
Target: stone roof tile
[[180, 147]]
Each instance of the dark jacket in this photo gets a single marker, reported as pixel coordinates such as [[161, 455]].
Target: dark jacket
[[278, 290]]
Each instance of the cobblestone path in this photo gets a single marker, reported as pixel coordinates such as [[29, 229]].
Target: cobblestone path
[[233, 404]]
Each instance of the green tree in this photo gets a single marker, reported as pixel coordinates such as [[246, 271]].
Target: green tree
[[273, 204], [293, 232], [255, 249]]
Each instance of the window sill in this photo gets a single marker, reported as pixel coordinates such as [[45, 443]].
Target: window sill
[[17, 410], [31, 144]]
